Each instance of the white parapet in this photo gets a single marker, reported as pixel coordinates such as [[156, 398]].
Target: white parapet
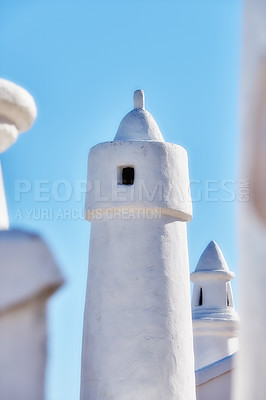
[[137, 340]]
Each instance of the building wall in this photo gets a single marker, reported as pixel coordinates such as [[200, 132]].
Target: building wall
[[211, 348], [219, 388], [23, 351]]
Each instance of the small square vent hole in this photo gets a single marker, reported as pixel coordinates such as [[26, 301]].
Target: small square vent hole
[[126, 175]]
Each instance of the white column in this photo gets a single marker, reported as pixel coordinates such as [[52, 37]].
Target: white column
[[137, 340], [251, 372], [137, 312], [29, 274], [215, 321]]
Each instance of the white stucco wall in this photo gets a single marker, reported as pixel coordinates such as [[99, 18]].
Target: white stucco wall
[[214, 343], [219, 388], [23, 351], [29, 275], [137, 327], [215, 380], [161, 178]]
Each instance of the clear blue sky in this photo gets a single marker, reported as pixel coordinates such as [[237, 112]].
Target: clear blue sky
[[82, 60]]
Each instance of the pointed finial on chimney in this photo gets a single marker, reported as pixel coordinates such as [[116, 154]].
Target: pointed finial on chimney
[[139, 99]]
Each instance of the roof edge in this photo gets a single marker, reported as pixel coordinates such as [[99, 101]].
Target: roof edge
[[216, 369]]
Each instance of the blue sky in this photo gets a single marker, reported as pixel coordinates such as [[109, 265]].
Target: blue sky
[[82, 60]]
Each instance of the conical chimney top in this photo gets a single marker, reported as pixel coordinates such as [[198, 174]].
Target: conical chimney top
[[212, 259], [138, 124]]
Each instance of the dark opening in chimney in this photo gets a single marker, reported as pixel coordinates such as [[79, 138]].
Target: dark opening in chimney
[[128, 175]]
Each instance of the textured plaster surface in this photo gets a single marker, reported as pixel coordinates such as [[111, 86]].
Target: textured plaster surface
[[137, 327]]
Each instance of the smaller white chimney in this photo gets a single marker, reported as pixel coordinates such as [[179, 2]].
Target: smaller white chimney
[[215, 321]]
